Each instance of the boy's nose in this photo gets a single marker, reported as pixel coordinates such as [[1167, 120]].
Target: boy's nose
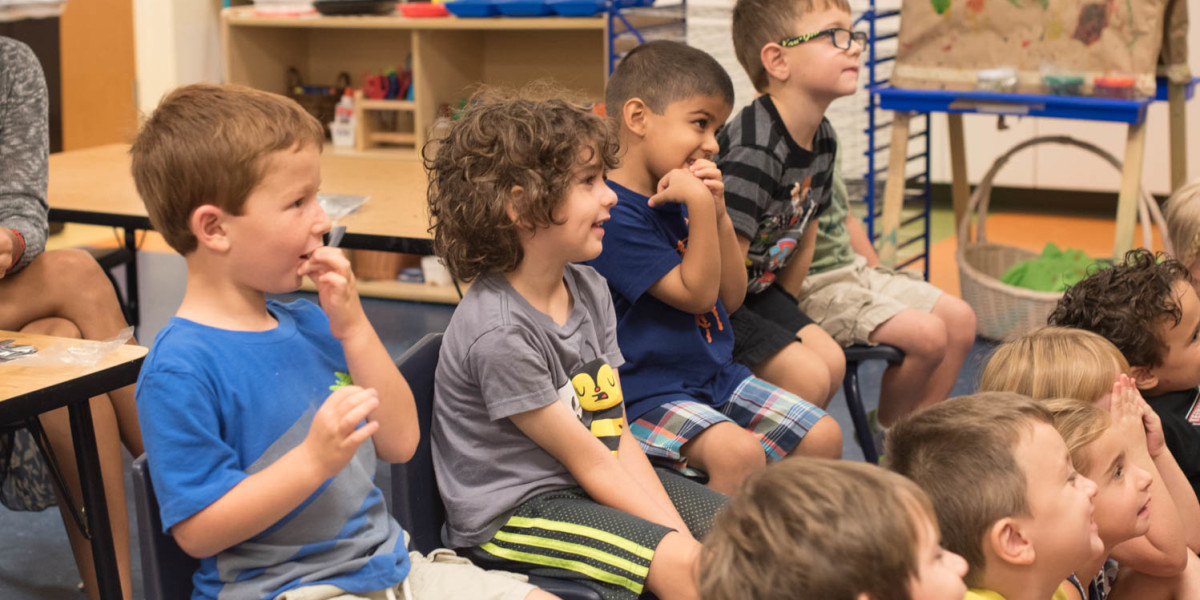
[[1088, 486], [959, 563], [610, 197], [322, 225], [710, 146]]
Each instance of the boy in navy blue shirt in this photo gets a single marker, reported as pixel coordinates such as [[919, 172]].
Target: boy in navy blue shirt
[[674, 267]]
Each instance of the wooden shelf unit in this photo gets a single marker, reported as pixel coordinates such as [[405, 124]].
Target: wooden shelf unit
[[450, 56]]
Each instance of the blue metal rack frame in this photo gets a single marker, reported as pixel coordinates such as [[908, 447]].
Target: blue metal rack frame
[[918, 186], [619, 15]]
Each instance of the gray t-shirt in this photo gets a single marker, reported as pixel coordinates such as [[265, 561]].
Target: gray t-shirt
[[500, 357]]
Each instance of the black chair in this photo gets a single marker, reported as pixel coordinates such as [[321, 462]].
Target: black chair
[[855, 355], [166, 570], [415, 500]]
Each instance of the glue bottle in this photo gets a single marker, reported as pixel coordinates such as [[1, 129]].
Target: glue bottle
[[344, 113], [342, 128]]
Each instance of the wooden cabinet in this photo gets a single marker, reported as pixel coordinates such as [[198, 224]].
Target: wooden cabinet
[[450, 56]]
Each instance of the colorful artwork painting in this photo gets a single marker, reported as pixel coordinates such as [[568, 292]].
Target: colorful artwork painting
[[944, 44]]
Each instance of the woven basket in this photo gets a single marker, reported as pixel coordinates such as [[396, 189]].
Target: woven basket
[[1003, 311]]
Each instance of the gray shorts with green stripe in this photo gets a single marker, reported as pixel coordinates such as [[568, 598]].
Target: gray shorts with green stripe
[[567, 535]]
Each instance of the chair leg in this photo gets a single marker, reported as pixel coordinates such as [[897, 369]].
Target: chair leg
[[862, 430]]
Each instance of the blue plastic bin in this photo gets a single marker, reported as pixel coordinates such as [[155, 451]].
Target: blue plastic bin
[[577, 8], [524, 8], [472, 8]]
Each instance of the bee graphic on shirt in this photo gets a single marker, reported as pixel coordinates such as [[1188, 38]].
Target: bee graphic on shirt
[[599, 393]]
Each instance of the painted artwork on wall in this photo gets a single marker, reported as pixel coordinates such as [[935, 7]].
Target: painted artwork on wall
[[1086, 47]]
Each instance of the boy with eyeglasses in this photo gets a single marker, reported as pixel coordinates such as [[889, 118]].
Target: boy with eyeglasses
[[819, 286]]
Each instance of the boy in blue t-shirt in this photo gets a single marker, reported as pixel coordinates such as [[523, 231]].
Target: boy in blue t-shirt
[[674, 267], [261, 471]]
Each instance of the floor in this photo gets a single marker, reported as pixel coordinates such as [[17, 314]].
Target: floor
[[35, 560]]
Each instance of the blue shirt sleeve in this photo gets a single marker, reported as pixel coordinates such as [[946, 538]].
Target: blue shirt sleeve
[[637, 252], [190, 464]]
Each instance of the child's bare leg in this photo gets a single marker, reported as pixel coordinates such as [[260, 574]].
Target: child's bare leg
[[540, 594], [69, 284], [108, 443], [673, 572], [727, 453], [829, 351], [935, 346], [824, 440], [801, 371], [922, 337]]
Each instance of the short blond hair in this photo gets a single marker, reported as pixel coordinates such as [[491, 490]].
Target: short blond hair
[[209, 144], [757, 23], [1183, 222], [816, 528], [1079, 423], [961, 453], [1055, 362]]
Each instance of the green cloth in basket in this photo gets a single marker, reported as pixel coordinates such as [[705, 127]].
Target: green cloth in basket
[[1054, 271]]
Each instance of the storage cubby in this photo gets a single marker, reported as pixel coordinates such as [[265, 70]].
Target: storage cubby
[[450, 57]]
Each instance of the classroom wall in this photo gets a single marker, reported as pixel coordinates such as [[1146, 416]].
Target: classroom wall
[[178, 41]]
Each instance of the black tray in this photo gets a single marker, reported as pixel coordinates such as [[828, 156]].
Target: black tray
[[355, 7]]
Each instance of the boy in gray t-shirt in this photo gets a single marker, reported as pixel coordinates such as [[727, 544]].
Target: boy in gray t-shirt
[[531, 448]]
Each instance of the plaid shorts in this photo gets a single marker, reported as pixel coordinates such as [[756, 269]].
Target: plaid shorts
[[778, 419]]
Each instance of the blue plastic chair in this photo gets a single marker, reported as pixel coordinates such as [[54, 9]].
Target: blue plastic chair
[[166, 569]]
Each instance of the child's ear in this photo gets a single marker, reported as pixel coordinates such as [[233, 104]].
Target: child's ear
[[1144, 378], [633, 116], [208, 225], [1008, 543], [516, 196], [774, 61]]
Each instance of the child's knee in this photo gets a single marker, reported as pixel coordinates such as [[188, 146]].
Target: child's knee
[[927, 339], [727, 449], [823, 440], [959, 318], [674, 568]]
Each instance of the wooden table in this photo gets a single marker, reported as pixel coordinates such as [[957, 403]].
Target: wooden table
[[26, 392], [904, 103], [95, 187]]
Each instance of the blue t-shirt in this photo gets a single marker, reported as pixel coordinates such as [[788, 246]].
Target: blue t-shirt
[[217, 406], [669, 354]]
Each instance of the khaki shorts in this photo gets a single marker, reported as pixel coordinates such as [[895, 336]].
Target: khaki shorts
[[851, 302], [441, 576]]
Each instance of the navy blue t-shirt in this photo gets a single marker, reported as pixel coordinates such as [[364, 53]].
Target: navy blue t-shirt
[[669, 354]]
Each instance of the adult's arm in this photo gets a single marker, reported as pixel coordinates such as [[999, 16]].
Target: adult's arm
[[24, 144]]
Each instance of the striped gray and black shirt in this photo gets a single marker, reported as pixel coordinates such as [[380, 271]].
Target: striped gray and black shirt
[[24, 143], [773, 187]]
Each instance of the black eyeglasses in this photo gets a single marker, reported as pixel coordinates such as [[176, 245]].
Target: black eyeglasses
[[841, 38]]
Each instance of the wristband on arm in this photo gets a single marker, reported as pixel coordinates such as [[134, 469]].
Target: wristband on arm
[[17, 253]]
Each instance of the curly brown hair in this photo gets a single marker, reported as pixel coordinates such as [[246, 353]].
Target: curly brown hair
[[1127, 303], [503, 140]]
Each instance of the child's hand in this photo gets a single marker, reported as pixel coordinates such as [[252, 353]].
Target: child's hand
[[1155, 442], [1126, 412], [707, 171], [334, 435], [681, 187], [330, 272]]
